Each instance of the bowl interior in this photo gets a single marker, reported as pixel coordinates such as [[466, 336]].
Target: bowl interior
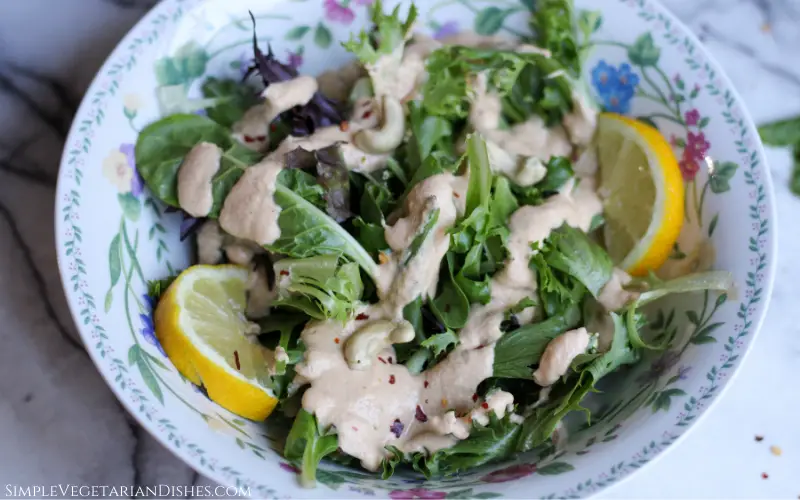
[[113, 237]]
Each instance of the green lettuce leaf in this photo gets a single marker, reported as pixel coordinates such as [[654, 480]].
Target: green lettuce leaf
[[307, 445], [390, 34]]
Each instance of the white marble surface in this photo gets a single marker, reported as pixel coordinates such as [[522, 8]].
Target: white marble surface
[[60, 424]]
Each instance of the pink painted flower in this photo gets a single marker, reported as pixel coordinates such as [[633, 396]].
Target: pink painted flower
[[337, 12], [692, 117], [509, 473], [416, 493], [696, 146], [689, 168]]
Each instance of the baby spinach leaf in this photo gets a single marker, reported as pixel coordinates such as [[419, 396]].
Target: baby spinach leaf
[[322, 287], [306, 446], [518, 350], [370, 236], [232, 100], [162, 146], [450, 305], [429, 133], [781, 133]]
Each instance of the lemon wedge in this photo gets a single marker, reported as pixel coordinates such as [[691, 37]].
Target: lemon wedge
[[200, 323], [642, 191]]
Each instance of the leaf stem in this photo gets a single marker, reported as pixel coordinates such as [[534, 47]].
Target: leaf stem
[[702, 202]]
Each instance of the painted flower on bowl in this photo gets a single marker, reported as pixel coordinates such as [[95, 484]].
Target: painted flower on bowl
[[131, 104], [338, 11], [615, 86], [119, 167], [446, 29], [509, 473], [148, 330], [416, 493]]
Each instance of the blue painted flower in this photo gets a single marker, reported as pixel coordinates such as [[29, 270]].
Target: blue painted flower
[[615, 86], [604, 77], [444, 30], [148, 331]]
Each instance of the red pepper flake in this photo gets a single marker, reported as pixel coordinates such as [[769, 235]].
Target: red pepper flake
[[485, 405], [247, 138], [444, 403], [273, 127], [480, 346], [391, 379], [420, 415], [426, 384], [764, 475], [475, 397], [456, 195], [397, 428], [390, 360], [236, 359], [261, 138], [759, 438], [366, 114], [362, 317], [354, 428], [381, 360], [344, 126], [337, 340], [284, 273]]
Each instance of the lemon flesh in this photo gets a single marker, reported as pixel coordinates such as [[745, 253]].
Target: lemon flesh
[[642, 191], [201, 325]]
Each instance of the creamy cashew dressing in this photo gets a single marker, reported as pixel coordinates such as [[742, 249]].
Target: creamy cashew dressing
[[194, 179], [250, 212], [400, 284], [558, 355], [385, 404], [613, 296]]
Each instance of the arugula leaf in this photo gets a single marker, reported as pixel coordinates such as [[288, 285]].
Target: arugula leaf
[[440, 342], [429, 133], [528, 84], [554, 26], [306, 446], [571, 251], [721, 281], [304, 185], [390, 463], [422, 234], [162, 146], [450, 305], [518, 350], [475, 284], [156, 288], [781, 133], [480, 175], [232, 100], [485, 445], [391, 34], [306, 231], [567, 396], [322, 287]]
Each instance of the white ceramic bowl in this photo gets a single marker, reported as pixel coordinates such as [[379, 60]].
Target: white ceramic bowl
[[112, 237]]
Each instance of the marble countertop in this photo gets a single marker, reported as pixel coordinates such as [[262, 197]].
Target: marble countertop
[[64, 424]]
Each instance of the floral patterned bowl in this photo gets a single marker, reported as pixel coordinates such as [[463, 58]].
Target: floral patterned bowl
[[112, 236]]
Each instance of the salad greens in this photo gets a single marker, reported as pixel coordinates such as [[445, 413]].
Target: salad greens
[[333, 221], [785, 133]]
